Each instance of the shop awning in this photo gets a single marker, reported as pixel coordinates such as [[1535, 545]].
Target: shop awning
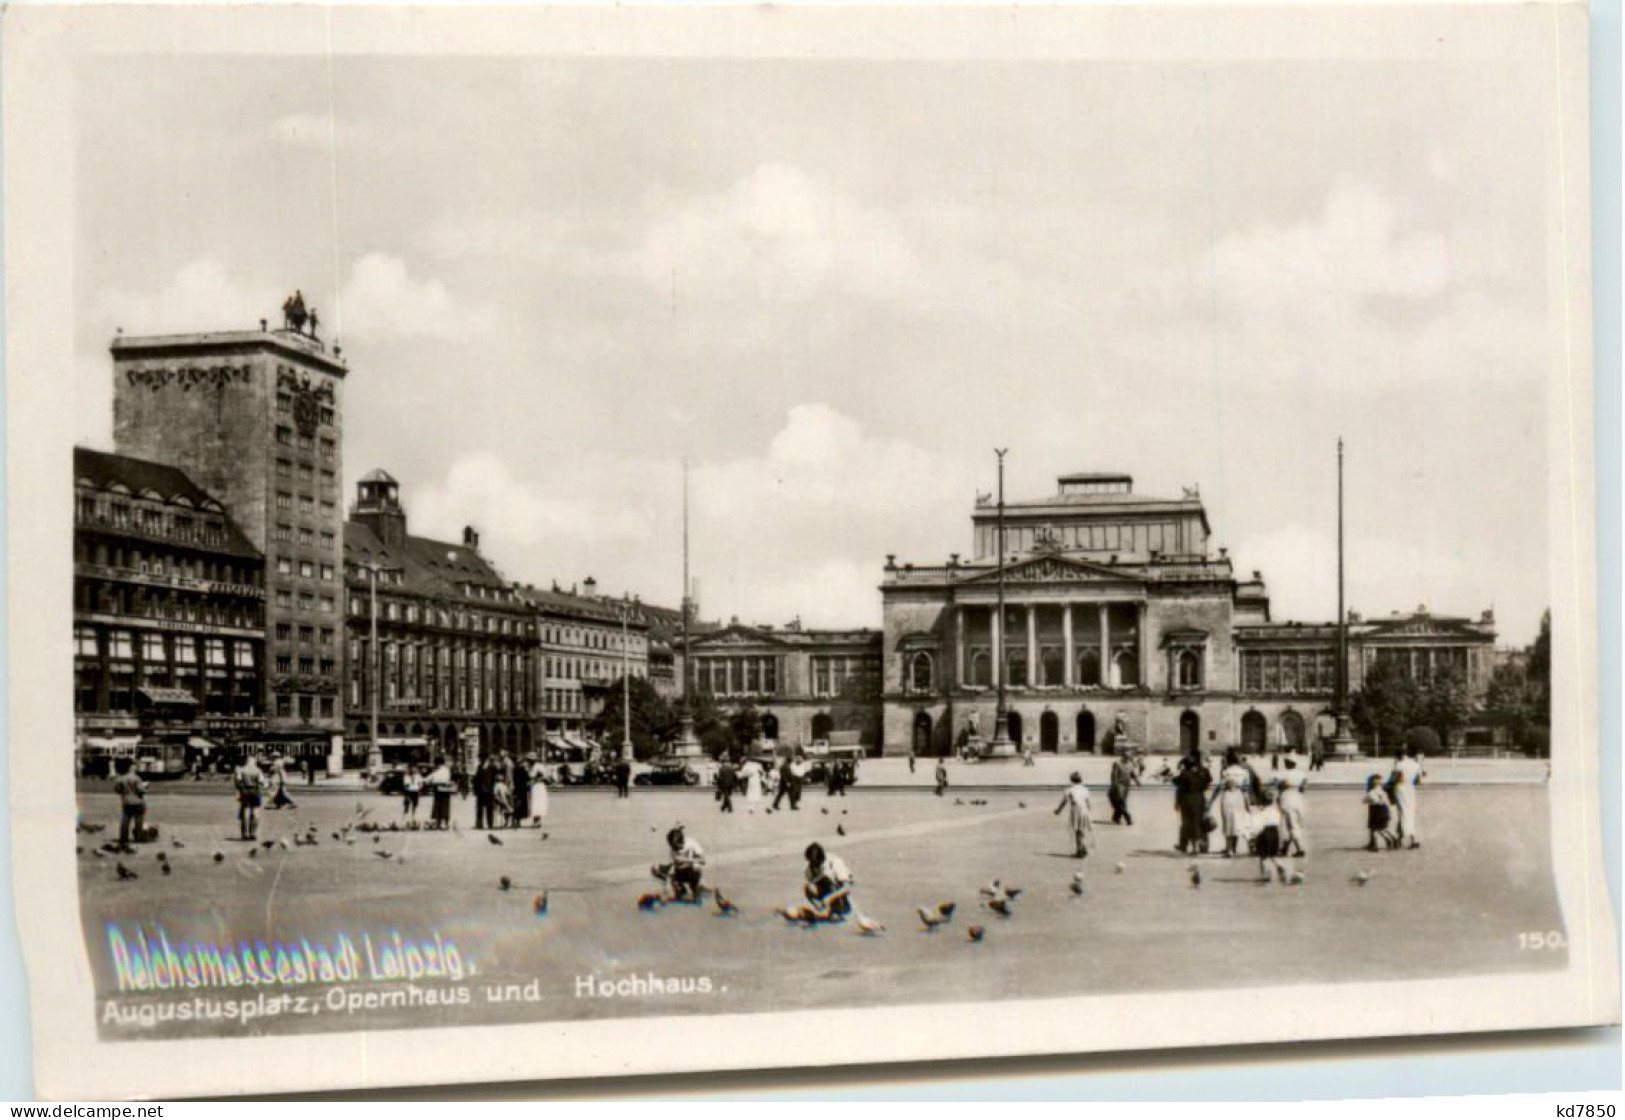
[[201, 743], [578, 744], [169, 696], [556, 742], [102, 743]]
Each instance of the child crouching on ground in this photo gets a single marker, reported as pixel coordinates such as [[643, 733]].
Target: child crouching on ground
[[1379, 812], [828, 890], [1265, 824]]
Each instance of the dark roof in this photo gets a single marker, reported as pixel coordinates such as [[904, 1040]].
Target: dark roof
[[574, 606], [103, 470], [788, 637], [428, 567]]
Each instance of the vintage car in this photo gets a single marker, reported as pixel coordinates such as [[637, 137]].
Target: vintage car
[[667, 772]]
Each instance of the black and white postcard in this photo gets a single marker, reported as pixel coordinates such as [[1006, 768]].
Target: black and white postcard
[[561, 542]]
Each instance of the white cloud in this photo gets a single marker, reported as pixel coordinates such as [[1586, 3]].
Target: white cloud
[[383, 300], [1354, 250], [517, 516], [201, 296], [776, 235], [800, 529]]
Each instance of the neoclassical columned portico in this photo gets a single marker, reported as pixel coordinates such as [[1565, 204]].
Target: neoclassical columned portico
[[1086, 625]]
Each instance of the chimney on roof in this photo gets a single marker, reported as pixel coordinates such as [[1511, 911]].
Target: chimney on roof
[[590, 586], [471, 538]]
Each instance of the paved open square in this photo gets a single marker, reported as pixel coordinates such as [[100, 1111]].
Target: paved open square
[[1470, 901]]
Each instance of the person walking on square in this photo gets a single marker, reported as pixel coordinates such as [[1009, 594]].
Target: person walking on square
[[1378, 814], [1231, 797], [784, 783], [1124, 775], [1294, 836], [911, 759], [726, 781], [411, 787], [750, 776], [623, 778], [942, 776], [1190, 800], [440, 789], [279, 785], [1075, 803], [521, 792], [249, 782], [1266, 829], [132, 798], [484, 779], [1403, 785]]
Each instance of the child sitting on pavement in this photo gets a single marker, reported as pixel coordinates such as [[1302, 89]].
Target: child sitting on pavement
[[685, 871]]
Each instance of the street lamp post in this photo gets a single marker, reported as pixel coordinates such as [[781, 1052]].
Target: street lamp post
[[626, 683], [1001, 712], [375, 757]]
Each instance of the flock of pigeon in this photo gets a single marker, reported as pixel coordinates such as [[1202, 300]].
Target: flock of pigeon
[[997, 898]]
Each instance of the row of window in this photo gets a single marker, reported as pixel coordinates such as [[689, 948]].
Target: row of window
[[287, 599], [1163, 536], [284, 533], [588, 638], [563, 700], [308, 707], [496, 680], [306, 503], [305, 569], [138, 601], [288, 469], [587, 669], [413, 614], [1290, 671], [737, 676], [151, 563], [151, 520], [308, 666], [288, 438], [1123, 670], [181, 649], [307, 634], [114, 692]]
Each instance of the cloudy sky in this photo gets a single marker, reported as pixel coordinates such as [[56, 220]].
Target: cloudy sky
[[835, 286]]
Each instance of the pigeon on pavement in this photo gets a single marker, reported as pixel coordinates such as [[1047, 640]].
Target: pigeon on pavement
[[930, 918], [975, 933], [125, 873]]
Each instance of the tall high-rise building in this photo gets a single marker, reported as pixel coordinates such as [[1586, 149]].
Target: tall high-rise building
[[255, 418]]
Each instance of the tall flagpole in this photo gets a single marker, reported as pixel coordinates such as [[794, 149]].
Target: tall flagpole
[[687, 746], [1342, 740]]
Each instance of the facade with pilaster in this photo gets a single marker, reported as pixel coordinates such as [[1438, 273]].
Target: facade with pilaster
[[1121, 625], [807, 684]]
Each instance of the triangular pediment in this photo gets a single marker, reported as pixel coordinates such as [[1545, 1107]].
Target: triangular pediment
[[1423, 626], [735, 636], [1055, 569]]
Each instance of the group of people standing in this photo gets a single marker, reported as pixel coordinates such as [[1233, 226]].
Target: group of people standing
[[509, 791]]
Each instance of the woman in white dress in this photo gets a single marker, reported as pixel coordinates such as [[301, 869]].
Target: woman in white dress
[[1231, 795], [751, 772], [1404, 783]]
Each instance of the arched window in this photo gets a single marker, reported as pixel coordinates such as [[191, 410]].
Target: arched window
[[1190, 669], [1126, 669], [919, 672], [1017, 661], [1089, 668], [981, 669]]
